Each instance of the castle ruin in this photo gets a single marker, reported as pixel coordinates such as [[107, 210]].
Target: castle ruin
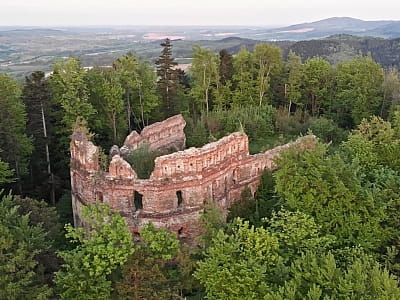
[[180, 184]]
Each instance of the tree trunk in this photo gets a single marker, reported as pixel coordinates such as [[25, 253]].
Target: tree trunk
[[129, 112], [52, 191], [114, 127], [207, 101], [141, 108]]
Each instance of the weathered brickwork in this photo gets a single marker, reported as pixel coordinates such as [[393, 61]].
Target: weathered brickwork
[[160, 136], [180, 183]]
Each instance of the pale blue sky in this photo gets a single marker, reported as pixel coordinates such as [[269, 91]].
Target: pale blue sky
[[188, 12]]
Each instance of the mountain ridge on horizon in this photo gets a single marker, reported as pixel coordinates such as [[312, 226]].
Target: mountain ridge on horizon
[[301, 31]]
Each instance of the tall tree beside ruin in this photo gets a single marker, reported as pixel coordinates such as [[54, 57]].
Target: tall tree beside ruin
[[37, 99], [70, 91], [295, 77], [268, 59], [316, 83], [244, 78], [225, 66], [14, 142], [126, 68], [205, 74], [112, 104], [359, 87], [146, 99], [167, 83]]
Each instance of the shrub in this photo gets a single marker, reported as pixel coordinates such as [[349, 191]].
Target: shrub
[[142, 161]]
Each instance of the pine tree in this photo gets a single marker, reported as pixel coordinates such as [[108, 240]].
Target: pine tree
[[168, 80], [36, 97], [225, 66], [14, 142]]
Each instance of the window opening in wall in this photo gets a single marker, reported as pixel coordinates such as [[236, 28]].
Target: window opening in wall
[[234, 176], [180, 198], [136, 236], [99, 196], [138, 200]]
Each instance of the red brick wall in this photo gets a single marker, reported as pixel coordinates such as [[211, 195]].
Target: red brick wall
[[218, 171]]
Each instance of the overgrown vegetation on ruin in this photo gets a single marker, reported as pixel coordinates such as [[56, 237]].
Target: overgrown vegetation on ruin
[[142, 160]]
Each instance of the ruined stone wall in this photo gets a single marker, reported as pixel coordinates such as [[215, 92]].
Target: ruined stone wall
[[160, 136], [180, 184]]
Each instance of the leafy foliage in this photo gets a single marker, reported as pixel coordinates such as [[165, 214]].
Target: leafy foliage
[[237, 265], [145, 274], [100, 251], [143, 160], [20, 243], [325, 187], [70, 91]]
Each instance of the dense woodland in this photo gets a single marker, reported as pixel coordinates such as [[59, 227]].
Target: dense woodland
[[323, 225]]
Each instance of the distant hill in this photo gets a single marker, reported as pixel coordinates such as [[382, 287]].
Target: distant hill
[[29, 32], [333, 26], [26, 49], [342, 47]]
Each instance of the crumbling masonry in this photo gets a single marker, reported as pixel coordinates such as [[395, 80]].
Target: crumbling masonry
[[181, 182]]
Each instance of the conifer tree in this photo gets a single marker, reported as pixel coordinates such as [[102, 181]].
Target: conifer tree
[[37, 97], [225, 66], [168, 80]]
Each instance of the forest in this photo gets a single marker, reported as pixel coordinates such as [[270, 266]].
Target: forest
[[323, 225]]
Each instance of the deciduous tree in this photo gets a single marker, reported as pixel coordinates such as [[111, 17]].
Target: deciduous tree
[[268, 60], [205, 74], [101, 250]]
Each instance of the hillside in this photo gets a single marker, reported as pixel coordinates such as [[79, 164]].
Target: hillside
[[332, 26], [26, 49]]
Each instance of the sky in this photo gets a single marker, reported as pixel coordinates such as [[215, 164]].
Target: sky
[[189, 12]]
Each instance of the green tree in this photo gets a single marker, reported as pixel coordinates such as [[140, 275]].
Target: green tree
[[205, 74], [100, 251], [70, 91], [37, 99], [5, 172], [324, 187], [391, 93], [373, 144], [244, 78], [249, 262], [212, 221], [145, 274], [167, 83], [237, 265], [316, 276], [268, 60], [126, 68], [20, 243], [14, 142], [293, 88], [317, 82], [147, 98], [359, 88], [225, 66], [112, 105]]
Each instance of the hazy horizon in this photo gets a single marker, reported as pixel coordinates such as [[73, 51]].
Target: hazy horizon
[[76, 13]]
